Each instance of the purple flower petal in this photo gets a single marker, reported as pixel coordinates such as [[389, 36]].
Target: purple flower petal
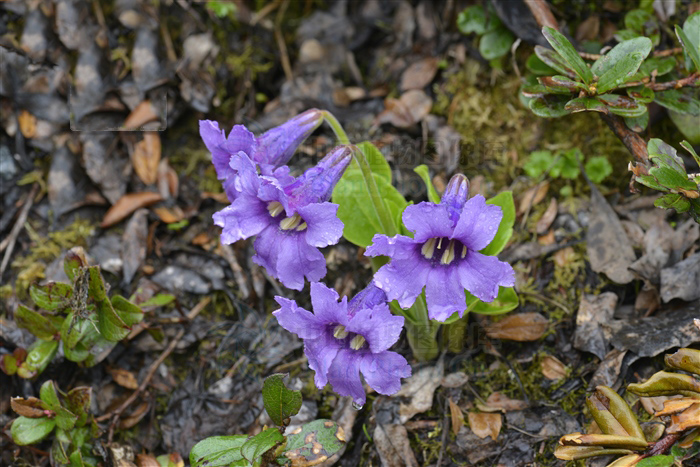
[[383, 371], [240, 140], [482, 275], [397, 247], [378, 326], [444, 294], [323, 226], [403, 280], [246, 179], [321, 352], [296, 319], [478, 223], [344, 375], [267, 248], [277, 145], [245, 217], [428, 220], [298, 259], [326, 305], [214, 138]]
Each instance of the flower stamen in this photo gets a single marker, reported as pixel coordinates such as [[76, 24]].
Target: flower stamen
[[339, 332], [449, 255], [290, 223], [275, 208], [464, 251], [428, 248], [303, 226], [357, 342]]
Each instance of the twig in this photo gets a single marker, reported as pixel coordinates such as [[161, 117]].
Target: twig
[[17, 228], [634, 143], [540, 10], [114, 415], [657, 53], [264, 11], [142, 326], [443, 439], [691, 80], [662, 445], [286, 65], [238, 274]]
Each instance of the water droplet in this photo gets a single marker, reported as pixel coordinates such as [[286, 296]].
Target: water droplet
[[357, 406]]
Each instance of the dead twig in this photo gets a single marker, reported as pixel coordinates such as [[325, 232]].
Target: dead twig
[[634, 143], [284, 55], [11, 239], [197, 309], [443, 438], [238, 273], [543, 15]]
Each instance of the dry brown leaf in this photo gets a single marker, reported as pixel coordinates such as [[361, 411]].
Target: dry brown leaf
[[146, 157], [689, 418], [406, 111], [419, 74], [589, 29], [124, 378], [135, 416], [548, 217], [653, 404], [532, 196], [30, 407], [522, 327], [127, 204], [169, 215], [553, 368], [144, 460], [27, 124], [676, 405], [497, 402], [547, 239], [142, 114], [564, 256], [168, 182], [456, 416], [485, 424]]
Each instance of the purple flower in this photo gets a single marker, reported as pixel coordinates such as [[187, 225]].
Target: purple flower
[[291, 217], [270, 151], [443, 256], [342, 340]]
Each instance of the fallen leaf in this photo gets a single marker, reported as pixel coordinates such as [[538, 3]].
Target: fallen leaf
[[169, 215], [146, 157], [168, 182], [608, 247], [681, 280], [419, 389], [407, 110], [144, 460], [392, 444], [594, 311], [553, 368], [532, 196], [485, 424], [27, 124], [455, 380], [456, 416], [124, 378], [548, 217], [676, 405], [589, 29], [134, 244], [689, 418], [521, 327], [135, 416], [497, 402], [419, 74], [142, 114], [30, 407], [127, 204]]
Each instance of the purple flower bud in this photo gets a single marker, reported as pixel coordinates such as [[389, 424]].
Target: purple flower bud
[[291, 218], [443, 256], [341, 343]]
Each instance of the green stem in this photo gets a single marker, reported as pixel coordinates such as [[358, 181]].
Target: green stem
[[387, 223], [337, 127], [453, 334], [421, 331]]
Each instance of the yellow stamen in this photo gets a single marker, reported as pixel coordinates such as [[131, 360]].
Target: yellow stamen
[[464, 251], [275, 208], [428, 248], [440, 243], [449, 255], [303, 226], [290, 223], [339, 332], [357, 342]]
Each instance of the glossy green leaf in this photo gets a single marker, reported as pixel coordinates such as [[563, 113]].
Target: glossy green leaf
[[638, 124], [52, 296], [567, 51], [639, 45], [9, 364], [636, 19], [536, 66], [582, 104], [31, 430], [472, 19], [505, 228], [620, 72], [78, 401], [280, 402], [48, 394], [424, 173], [40, 355], [560, 84], [549, 106], [161, 299], [598, 168], [622, 105], [661, 65], [554, 61], [507, 300], [641, 94], [664, 383], [689, 47], [110, 325], [685, 101], [673, 201], [127, 311], [35, 323], [691, 30], [496, 44], [255, 447], [73, 329], [656, 461], [65, 419], [376, 160], [314, 442], [219, 451], [625, 35], [96, 286], [74, 260], [688, 124]]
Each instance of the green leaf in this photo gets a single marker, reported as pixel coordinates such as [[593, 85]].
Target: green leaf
[[635, 19], [31, 430], [638, 124], [35, 323], [51, 296], [656, 461], [567, 164], [110, 325], [314, 442], [662, 66], [280, 402], [496, 44], [691, 29], [219, 451], [472, 19], [356, 210], [505, 228], [641, 94], [567, 51], [549, 106], [507, 300], [127, 311], [664, 383], [72, 330], [673, 201], [560, 84], [538, 163], [78, 401], [689, 47], [8, 364], [161, 299], [684, 102], [73, 261], [688, 124], [582, 104], [598, 168], [623, 105], [96, 284], [554, 61], [48, 394], [65, 419], [536, 66], [639, 45], [40, 355], [688, 147], [620, 72], [625, 35], [376, 160], [423, 172], [255, 447]]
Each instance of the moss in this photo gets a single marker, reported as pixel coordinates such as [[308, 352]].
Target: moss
[[194, 160]]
